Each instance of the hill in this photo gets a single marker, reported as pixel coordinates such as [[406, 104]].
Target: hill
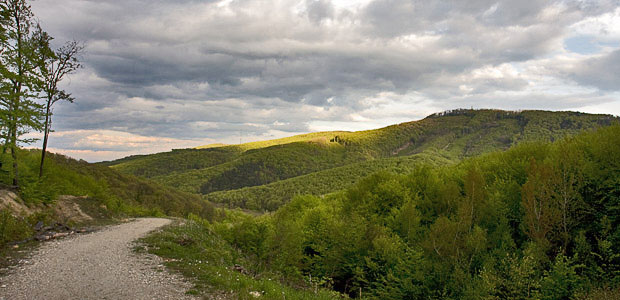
[[448, 136], [99, 189], [273, 195], [538, 221]]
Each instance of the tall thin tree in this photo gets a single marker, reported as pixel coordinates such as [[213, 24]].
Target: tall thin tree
[[55, 67], [21, 80]]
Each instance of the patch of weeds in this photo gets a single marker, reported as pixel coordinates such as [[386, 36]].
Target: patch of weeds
[[13, 228], [196, 252], [139, 249], [11, 255], [193, 292]]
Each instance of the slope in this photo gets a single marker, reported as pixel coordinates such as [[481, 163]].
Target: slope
[[271, 196], [453, 135], [119, 193], [539, 221]]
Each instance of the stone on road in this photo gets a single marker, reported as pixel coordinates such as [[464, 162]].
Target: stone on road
[[100, 265]]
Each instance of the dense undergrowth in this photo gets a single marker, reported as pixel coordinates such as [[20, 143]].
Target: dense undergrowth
[[197, 250], [539, 221]]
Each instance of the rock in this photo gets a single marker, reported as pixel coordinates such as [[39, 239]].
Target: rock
[[39, 226], [61, 227], [59, 235], [42, 237]]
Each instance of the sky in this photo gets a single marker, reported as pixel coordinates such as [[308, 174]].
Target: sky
[[161, 75]]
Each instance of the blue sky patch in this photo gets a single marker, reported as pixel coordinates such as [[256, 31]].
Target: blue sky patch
[[582, 44]]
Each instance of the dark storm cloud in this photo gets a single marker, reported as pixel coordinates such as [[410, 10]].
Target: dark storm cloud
[[270, 65], [302, 63], [195, 69]]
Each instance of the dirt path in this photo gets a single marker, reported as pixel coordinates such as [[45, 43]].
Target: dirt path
[[99, 265]]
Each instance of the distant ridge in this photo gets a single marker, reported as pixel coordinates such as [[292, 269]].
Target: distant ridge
[[445, 137]]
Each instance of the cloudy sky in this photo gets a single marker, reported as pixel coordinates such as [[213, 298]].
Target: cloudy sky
[[181, 73]]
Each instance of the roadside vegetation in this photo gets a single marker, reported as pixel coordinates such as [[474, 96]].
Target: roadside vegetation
[[197, 250], [117, 195]]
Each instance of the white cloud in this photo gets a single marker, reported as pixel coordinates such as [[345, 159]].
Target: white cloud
[[214, 70], [99, 145]]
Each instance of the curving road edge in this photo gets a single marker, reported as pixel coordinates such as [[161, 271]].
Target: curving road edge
[[100, 265]]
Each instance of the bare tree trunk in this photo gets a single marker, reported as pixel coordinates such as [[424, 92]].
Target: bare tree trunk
[[18, 90], [14, 157], [46, 134]]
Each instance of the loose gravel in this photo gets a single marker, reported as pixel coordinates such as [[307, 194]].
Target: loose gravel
[[99, 265]]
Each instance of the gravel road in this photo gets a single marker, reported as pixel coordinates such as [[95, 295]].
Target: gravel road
[[99, 265]]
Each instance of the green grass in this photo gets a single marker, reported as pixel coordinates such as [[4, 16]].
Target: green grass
[[316, 137], [109, 194], [201, 255]]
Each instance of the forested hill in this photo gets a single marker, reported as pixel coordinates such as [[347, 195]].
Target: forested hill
[[439, 138]]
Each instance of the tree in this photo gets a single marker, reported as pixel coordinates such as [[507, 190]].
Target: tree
[[56, 65], [22, 48], [569, 162], [542, 214], [475, 194], [561, 281]]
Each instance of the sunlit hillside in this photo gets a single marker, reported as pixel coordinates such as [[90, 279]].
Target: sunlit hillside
[[440, 138]]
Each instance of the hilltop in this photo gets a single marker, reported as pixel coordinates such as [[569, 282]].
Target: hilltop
[[262, 175]]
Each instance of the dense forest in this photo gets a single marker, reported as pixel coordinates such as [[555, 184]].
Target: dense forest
[[539, 221], [264, 175]]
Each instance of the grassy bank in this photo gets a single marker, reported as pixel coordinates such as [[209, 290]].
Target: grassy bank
[[196, 250]]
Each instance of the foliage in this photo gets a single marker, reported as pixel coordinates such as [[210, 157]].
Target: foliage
[[13, 228], [123, 194], [198, 253], [527, 223], [273, 195], [23, 44]]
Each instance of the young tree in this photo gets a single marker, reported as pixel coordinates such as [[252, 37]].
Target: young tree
[[475, 194], [542, 214], [56, 65], [21, 82], [569, 162]]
